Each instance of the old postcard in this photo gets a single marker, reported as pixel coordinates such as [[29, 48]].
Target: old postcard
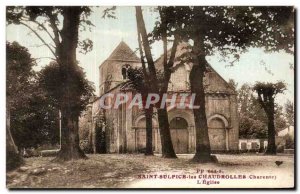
[[187, 97]]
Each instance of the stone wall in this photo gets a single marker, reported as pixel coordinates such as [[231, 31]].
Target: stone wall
[[111, 74], [122, 124], [122, 130]]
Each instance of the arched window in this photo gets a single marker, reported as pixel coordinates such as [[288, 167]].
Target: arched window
[[124, 71]]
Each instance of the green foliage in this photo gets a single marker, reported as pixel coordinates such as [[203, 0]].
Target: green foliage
[[266, 93], [137, 80], [85, 46], [269, 90], [289, 142], [279, 118], [33, 117], [85, 124], [280, 149], [252, 128], [19, 74], [173, 20], [61, 83], [233, 84], [235, 28], [17, 14], [289, 112], [56, 80], [64, 83], [36, 122], [253, 119], [109, 12], [85, 146], [230, 29], [41, 18]]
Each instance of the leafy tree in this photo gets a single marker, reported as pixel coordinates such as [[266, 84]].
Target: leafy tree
[[35, 122], [51, 78], [279, 118], [290, 142], [229, 31], [289, 112], [144, 45], [33, 117], [233, 84], [168, 28], [253, 119], [85, 134], [266, 94], [18, 79], [64, 36]]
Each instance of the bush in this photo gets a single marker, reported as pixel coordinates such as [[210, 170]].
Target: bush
[[289, 142], [280, 149], [31, 152], [85, 146]]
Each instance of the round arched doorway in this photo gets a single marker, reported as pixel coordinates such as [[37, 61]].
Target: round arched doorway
[[179, 135], [140, 135]]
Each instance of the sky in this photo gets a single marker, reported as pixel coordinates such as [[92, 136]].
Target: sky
[[254, 65]]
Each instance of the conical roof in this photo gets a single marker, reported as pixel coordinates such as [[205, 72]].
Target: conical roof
[[123, 53]]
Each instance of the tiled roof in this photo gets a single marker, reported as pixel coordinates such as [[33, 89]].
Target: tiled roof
[[124, 53]]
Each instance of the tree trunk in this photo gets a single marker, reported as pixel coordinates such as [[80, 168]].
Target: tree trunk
[[271, 149], [167, 146], [148, 112], [203, 151], [13, 158], [149, 149], [70, 149], [165, 135], [66, 52]]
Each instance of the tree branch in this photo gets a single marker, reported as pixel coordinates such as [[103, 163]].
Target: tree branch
[[164, 38], [45, 29], [52, 19], [47, 45], [145, 43], [45, 58], [142, 57], [173, 52], [260, 100]]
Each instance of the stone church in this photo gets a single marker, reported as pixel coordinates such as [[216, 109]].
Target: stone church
[[123, 130]]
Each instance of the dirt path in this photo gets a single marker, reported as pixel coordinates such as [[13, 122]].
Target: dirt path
[[128, 170], [259, 172]]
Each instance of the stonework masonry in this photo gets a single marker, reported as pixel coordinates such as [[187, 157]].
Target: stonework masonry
[[125, 128]]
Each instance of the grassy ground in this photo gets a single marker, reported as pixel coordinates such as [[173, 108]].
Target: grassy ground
[[120, 171]]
